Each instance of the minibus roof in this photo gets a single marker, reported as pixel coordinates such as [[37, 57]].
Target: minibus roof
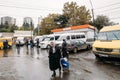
[[72, 33], [110, 28]]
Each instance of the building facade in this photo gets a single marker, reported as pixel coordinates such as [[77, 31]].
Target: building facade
[[90, 31], [9, 20], [18, 33], [28, 20]]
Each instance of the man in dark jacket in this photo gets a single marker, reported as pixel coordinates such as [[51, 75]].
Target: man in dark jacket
[[18, 46], [54, 58], [27, 43], [31, 43], [64, 49], [38, 43], [5, 47]]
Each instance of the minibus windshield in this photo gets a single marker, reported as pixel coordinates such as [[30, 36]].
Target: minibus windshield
[[109, 35], [46, 39]]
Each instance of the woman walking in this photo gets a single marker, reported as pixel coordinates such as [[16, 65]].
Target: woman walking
[[54, 58]]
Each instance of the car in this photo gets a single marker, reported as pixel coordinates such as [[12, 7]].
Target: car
[[76, 45], [45, 43], [21, 39], [40, 38]]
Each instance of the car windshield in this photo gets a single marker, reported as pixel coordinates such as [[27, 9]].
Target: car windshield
[[51, 38], [109, 35], [61, 37]]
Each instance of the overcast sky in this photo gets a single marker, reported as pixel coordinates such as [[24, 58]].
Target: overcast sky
[[37, 8]]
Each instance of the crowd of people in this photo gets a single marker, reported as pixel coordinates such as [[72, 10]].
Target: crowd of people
[[28, 42], [55, 54]]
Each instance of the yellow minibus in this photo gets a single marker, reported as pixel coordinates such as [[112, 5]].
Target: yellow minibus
[[9, 42], [107, 45]]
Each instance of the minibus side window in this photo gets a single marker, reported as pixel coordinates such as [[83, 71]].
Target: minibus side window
[[77, 36], [68, 37], [56, 37], [82, 36], [72, 36], [62, 37]]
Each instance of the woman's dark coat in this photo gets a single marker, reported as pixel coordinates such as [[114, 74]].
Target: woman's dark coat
[[54, 58]]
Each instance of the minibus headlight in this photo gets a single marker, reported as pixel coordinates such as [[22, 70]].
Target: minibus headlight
[[116, 50]]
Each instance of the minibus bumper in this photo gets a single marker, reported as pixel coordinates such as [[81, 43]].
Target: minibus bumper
[[107, 56]]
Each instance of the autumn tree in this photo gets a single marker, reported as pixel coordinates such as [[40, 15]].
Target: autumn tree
[[77, 15], [61, 21], [47, 24], [102, 21], [6, 27]]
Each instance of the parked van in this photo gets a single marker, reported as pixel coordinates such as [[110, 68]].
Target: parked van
[[70, 36], [58, 38], [45, 43], [107, 45], [36, 38], [21, 39], [9, 42]]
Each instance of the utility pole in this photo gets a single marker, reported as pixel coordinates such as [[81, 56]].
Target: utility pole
[[92, 10], [32, 27], [92, 15], [39, 20]]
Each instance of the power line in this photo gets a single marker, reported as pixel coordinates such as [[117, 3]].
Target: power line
[[115, 18], [27, 8], [109, 9], [113, 11], [107, 5], [14, 15]]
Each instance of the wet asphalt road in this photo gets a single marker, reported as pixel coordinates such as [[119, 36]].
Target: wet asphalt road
[[32, 64]]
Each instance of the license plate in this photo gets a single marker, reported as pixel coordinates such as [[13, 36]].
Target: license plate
[[103, 55]]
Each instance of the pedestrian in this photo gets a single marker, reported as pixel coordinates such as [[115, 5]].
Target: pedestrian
[[31, 43], [26, 43], [18, 46], [64, 49], [38, 43], [5, 47], [54, 58]]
